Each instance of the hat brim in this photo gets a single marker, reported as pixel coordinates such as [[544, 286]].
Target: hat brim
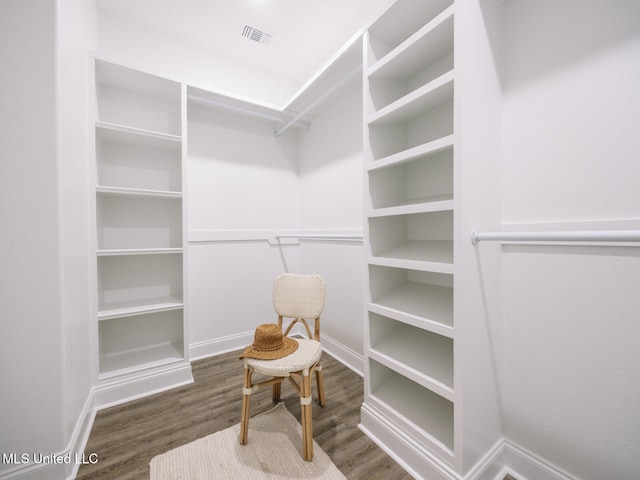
[[289, 345]]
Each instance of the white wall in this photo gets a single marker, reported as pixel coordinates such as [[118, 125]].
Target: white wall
[[331, 199], [46, 378], [242, 188], [156, 52], [31, 263], [570, 125], [76, 34], [571, 111], [478, 367], [245, 184]]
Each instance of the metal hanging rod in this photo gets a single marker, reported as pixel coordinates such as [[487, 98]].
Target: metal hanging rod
[[323, 236], [297, 121], [289, 121], [575, 236], [321, 98]]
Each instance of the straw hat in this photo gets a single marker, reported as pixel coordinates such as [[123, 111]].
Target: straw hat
[[269, 343]]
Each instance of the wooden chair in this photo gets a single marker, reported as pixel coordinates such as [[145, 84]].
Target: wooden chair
[[300, 297]]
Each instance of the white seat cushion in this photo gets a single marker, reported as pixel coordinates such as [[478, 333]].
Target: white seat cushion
[[307, 354]]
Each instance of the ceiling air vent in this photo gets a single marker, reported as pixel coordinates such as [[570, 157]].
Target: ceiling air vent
[[256, 35]]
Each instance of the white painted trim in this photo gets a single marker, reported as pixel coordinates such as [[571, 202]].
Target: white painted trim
[[140, 385], [408, 453], [213, 236], [273, 237], [81, 432], [34, 472], [503, 473], [491, 466], [73, 451], [343, 354], [218, 346], [525, 465], [505, 457]]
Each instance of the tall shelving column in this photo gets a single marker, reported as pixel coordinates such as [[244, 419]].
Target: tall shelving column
[[409, 201], [139, 232]]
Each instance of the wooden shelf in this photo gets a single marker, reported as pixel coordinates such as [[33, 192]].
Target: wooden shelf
[[430, 306], [137, 192], [433, 251], [409, 203], [409, 129], [139, 221], [420, 240], [436, 203], [412, 319], [133, 219], [433, 256], [417, 408], [122, 363], [117, 132], [137, 101], [387, 355], [426, 46], [118, 252], [138, 160], [148, 282], [412, 154], [139, 306], [422, 356], [138, 342], [433, 95], [424, 184], [400, 22]]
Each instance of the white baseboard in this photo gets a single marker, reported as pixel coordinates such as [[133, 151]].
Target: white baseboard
[[492, 466], [525, 465], [218, 346], [349, 358], [42, 471], [80, 436], [123, 390], [408, 453], [70, 459], [505, 457]]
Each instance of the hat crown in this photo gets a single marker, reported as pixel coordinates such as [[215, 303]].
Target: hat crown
[[269, 343], [267, 338]]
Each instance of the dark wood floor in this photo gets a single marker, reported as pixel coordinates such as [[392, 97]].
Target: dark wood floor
[[127, 437]]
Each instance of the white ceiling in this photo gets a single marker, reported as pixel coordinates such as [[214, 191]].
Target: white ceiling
[[305, 33]]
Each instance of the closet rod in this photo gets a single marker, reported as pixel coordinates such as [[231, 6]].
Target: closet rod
[[323, 236], [235, 108], [575, 236], [318, 100]]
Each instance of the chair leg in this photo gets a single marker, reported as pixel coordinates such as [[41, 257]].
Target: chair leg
[[276, 391], [307, 428], [246, 400], [320, 386]]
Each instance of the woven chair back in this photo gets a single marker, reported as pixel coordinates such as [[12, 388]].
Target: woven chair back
[[299, 296]]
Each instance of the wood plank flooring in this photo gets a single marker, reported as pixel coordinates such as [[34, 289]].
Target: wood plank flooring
[[128, 436]]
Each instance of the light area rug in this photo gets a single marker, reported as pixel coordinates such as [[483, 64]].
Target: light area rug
[[272, 452]]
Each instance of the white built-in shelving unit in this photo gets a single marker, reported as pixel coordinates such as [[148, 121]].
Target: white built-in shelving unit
[[409, 226], [431, 152], [140, 230]]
